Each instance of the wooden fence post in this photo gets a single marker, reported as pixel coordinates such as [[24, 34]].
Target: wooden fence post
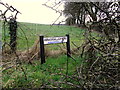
[[68, 45], [42, 52]]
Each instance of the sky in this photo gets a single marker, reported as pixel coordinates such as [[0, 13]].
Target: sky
[[34, 12]]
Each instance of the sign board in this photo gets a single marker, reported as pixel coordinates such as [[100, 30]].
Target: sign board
[[52, 40]]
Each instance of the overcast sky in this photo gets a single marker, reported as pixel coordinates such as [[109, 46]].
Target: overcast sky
[[33, 11]]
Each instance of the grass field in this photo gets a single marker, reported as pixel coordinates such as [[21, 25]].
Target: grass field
[[37, 74], [30, 32]]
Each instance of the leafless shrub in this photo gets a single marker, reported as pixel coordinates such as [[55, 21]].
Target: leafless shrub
[[100, 69]]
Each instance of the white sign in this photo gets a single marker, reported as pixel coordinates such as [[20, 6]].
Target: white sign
[[52, 40]]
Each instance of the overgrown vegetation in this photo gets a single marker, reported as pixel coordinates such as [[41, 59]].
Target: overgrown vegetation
[[39, 75], [96, 65], [101, 65]]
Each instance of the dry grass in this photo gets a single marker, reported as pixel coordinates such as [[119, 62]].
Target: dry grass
[[34, 53]]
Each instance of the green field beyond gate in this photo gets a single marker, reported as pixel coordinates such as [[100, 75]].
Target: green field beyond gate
[[33, 31]]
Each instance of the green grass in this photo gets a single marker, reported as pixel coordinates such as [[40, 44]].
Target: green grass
[[38, 74], [28, 33]]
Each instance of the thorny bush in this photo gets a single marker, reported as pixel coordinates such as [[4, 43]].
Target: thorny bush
[[100, 69]]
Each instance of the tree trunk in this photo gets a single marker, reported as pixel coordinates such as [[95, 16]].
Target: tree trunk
[[88, 7]]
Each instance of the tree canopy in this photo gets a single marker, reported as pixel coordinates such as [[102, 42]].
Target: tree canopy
[[83, 12]]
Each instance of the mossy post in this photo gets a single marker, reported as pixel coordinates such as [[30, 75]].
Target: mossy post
[[13, 34]]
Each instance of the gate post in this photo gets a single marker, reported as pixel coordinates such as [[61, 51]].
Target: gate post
[[42, 52]]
